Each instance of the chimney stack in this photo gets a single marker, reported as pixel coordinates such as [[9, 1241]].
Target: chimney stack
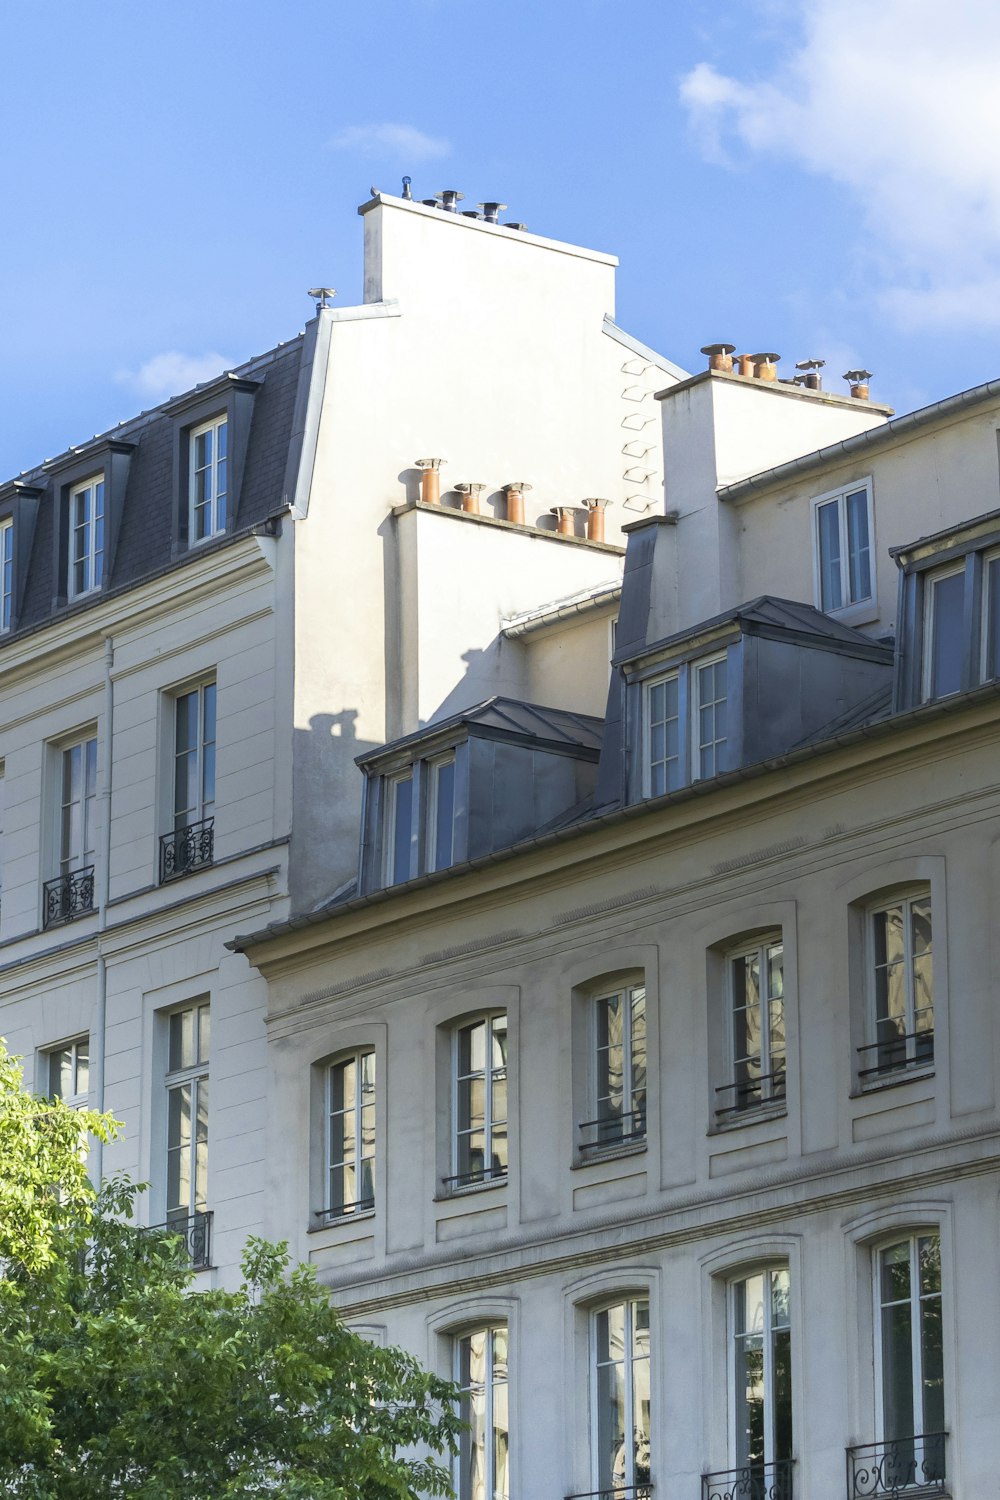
[[430, 480], [514, 494], [720, 356]]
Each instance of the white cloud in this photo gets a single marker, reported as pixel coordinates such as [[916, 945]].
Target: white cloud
[[897, 101], [170, 373], [395, 143]]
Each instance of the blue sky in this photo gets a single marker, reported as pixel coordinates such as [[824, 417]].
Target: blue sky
[[817, 177]]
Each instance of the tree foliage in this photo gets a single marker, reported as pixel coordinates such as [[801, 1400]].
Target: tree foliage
[[118, 1379], [44, 1189]]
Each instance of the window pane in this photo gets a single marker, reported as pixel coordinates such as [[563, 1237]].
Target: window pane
[[859, 551], [944, 672], [182, 1054], [82, 1082], [831, 587], [402, 822], [711, 725], [444, 814], [664, 736], [990, 666]]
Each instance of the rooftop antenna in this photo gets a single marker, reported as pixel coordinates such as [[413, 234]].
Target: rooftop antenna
[[408, 196], [324, 295]]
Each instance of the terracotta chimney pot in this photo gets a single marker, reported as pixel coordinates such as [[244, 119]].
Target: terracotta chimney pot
[[470, 494], [720, 356], [564, 519], [595, 518], [765, 366], [514, 494], [430, 480]]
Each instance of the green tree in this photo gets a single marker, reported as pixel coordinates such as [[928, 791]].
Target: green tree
[[118, 1379], [44, 1189]]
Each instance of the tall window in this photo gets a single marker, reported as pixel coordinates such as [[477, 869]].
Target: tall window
[[208, 480], [69, 1073], [844, 549], [709, 717], [397, 829], [909, 1359], [86, 536], [663, 737], [762, 1373], [620, 1078], [482, 1467], [903, 987], [944, 633], [6, 573], [989, 648], [187, 1112], [194, 755], [757, 1012], [77, 822], [480, 1094], [441, 814], [350, 1138], [621, 1420]]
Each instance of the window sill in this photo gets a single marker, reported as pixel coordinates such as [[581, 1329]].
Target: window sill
[[340, 1222], [863, 613], [898, 1078], [471, 1190], [760, 1113], [616, 1152]]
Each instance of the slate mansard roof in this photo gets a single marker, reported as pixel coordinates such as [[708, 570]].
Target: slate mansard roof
[[505, 718], [147, 542]]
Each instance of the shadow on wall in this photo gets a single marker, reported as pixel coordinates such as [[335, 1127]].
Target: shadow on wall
[[326, 816], [498, 669]]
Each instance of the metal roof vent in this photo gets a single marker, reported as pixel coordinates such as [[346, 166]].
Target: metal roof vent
[[811, 376], [449, 199], [492, 211], [323, 295], [407, 195]]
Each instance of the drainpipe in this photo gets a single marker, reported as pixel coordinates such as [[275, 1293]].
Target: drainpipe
[[103, 891]]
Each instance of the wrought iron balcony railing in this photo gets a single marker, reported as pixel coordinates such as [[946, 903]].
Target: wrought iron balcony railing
[[617, 1492], [750, 1482], [896, 1055], [196, 1232], [751, 1093], [187, 849], [345, 1210], [68, 896], [470, 1179], [615, 1130], [899, 1466]]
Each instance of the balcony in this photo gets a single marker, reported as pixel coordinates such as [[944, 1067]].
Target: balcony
[[626, 1129], [187, 849], [900, 1466], [474, 1178], [617, 1492], [68, 897], [749, 1094], [895, 1055], [196, 1232], [751, 1482]]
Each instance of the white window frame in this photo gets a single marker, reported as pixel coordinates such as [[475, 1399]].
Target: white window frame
[[390, 814], [629, 1303], [434, 768], [6, 573], [490, 1076], [931, 579], [760, 948], [627, 993], [83, 835], [77, 1098], [912, 1240], [218, 523], [767, 1332], [194, 1076], [331, 1211], [647, 734], [205, 805], [911, 1063], [991, 555], [695, 668], [489, 1490], [852, 609], [92, 556]]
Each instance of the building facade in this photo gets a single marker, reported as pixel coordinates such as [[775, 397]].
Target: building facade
[[653, 1096]]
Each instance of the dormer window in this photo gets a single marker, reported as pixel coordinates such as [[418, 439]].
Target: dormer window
[[949, 624], [685, 725], [86, 536], [944, 599], [441, 813], [6, 572], [208, 479], [842, 547]]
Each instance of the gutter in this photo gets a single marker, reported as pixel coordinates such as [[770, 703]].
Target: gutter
[[862, 442], [585, 603], [617, 815]]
